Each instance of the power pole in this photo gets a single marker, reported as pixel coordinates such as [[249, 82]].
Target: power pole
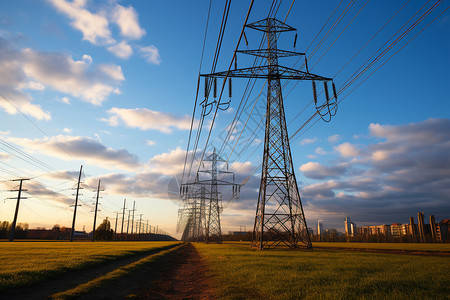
[[199, 224], [13, 225], [128, 223], [123, 218], [140, 224], [115, 226], [76, 204], [146, 231], [96, 207], [279, 219], [132, 220]]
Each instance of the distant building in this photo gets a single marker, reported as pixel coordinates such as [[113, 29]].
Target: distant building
[[433, 229], [353, 229], [397, 229], [412, 229], [319, 228], [421, 221], [443, 231], [348, 230], [412, 233]]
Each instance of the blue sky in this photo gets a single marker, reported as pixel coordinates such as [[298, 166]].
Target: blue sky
[[112, 85]]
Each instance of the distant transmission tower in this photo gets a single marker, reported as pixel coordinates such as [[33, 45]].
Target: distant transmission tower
[[279, 220], [199, 212], [192, 218]]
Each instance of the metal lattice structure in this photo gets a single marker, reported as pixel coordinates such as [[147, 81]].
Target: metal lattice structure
[[200, 218], [279, 220], [192, 218]]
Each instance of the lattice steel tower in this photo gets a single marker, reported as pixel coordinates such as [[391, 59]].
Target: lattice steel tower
[[279, 220], [202, 218]]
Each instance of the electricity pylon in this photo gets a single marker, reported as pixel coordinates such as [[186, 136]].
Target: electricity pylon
[[279, 220], [200, 217], [192, 218]]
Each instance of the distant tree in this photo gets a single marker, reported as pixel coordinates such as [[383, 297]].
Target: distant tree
[[4, 229], [21, 231], [56, 232], [104, 231]]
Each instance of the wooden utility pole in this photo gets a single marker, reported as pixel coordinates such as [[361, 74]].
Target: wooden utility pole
[[132, 220], [128, 223], [76, 204], [115, 226], [96, 207], [123, 218], [140, 225], [13, 225]]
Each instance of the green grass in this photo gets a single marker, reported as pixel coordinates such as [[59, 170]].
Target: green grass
[[110, 277], [242, 273], [389, 246], [26, 263]]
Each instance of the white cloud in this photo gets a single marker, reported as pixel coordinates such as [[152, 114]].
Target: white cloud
[[27, 68], [85, 148], [67, 130], [347, 149], [170, 163], [94, 27], [122, 50], [65, 100], [38, 190], [146, 119], [12, 82], [127, 20], [318, 171], [87, 58], [334, 138], [113, 71], [404, 169], [320, 151], [32, 85], [150, 142], [308, 141], [151, 54], [66, 75]]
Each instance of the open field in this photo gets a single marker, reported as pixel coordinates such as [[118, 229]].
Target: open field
[[242, 273], [155, 270], [26, 263], [387, 246]]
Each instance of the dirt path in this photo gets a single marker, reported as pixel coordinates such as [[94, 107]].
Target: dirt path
[[72, 279], [187, 279], [179, 275]]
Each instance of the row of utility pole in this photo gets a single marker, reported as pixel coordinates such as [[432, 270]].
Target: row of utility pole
[[146, 229]]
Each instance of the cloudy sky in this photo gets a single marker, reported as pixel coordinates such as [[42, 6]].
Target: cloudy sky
[[111, 85]]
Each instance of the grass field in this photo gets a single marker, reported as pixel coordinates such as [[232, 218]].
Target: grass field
[[387, 246], [25, 263], [112, 276], [242, 273]]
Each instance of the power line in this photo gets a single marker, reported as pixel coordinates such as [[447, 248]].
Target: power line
[[223, 85]]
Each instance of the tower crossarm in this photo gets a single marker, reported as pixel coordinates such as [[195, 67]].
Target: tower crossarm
[[265, 52], [264, 71], [270, 25], [219, 182]]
